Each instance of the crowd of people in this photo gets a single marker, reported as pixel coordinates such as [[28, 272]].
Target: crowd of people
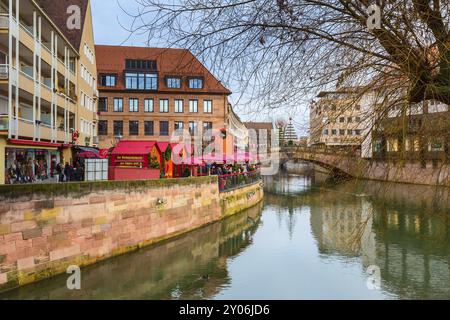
[[28, 171], [227, 169], [68, 172], [37, 171]]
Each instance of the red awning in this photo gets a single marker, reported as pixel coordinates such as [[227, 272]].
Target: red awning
[[88, 155], [34, 143], [133, 148]]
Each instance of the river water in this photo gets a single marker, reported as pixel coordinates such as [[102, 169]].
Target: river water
[[310, 239]]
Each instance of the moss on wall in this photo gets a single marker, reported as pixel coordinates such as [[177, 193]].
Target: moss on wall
[[79, 189]]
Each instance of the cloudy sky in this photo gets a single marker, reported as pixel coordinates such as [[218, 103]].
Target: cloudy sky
[[109, 22]]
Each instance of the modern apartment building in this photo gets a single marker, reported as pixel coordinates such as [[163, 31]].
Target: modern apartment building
[[148, 93], [47, 85], [336, 118]]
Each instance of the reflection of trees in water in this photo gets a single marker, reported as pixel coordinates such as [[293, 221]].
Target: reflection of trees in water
[[192, 266], [403, 229]]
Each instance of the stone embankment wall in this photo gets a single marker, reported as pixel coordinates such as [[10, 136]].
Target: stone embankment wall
[[46, 228]]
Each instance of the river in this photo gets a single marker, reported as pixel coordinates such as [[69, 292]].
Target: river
[[310, 239]]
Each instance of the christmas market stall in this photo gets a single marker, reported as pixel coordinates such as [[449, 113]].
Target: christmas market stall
[[135, 160]]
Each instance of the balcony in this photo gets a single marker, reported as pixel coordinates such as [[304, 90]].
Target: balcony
[[4, 72], [4, 21], [4, 123]]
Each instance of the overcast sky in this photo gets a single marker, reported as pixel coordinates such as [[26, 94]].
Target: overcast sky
[[109, 20]]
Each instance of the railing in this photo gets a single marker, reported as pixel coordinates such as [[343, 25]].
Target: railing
[[338, 150], [4, 121], [230, 182], [4, 72], [4, 21]]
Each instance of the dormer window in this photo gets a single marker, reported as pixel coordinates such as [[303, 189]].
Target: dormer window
[[108, 80], [141, 81], [195, 83], [173, 82]]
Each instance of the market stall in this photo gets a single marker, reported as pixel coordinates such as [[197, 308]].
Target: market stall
[[135, 160]]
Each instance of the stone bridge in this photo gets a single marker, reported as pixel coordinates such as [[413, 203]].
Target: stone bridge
[[349, 163]]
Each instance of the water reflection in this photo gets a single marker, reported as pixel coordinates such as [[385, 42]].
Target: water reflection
[[403, 229]]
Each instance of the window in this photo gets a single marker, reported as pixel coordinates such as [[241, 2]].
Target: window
[[134, 128], [193, 128], [195, 83], [207, 126], [164, 128], [179, 125], [349, 119], [134, 105], [173, 82], [108, 80], [118, 105], [342, 132], [207, 106], [377, 146], [118, 128], [141, 81], [148, 128], [103, 104], [392, 145], [103, 127], [349, 132], [342, 120], [140, 65], [436, 145], [164, 105], [358, 132], [325, 132], [179, 106], [148, 105], [193, 106], [334, 132]]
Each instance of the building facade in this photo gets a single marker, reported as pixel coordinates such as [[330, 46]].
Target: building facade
[[148, 93], [336, 119], [260, 137], [418, 133], [41, 86]]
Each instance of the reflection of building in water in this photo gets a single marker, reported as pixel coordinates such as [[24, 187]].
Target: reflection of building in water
[[345, 227], [189, 267], [412, 251], [403, 229]]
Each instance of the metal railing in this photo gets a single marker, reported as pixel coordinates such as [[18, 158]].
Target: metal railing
[[4, 71], [233, 181], [4, 21], [4, 122]]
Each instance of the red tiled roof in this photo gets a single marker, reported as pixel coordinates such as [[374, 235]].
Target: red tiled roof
[[126, 147], [170, 62], [57, 11]]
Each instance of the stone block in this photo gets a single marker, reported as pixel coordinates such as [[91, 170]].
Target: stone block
[[5, 229], [32, 233], [26, 263], [3, 278], [97, 199], [24, 225], [44, 204], [65, 252]]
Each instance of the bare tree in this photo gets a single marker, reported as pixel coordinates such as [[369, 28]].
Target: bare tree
[[280, 49]]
